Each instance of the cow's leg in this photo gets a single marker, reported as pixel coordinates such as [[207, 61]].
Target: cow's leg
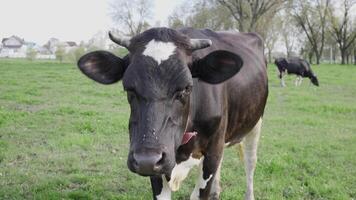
[[215, 188], [300, 80], [250, 155], [160, 188], [209, 169], [283, 84], [201, 183], [296, 81]]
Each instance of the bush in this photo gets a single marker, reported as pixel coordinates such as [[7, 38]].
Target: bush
[[31, 54]]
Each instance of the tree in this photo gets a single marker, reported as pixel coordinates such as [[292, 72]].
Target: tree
[[311, 18], [247, 13], [354, 46], [210, 15], [289, 33], [74, 54], [60, 53], [31, 54], [331, 48], [342, 30], [131, 15], [272, 35], [180, 14], [307, 51], [201, 14], [79, 52], [98, 41], [175, 22]]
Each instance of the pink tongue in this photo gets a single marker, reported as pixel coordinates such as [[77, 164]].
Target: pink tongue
[[187, 136]]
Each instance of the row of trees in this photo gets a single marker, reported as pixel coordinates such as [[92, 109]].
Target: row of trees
[[309, 27]]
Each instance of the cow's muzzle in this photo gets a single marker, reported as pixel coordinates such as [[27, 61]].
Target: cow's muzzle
[[147, 162]]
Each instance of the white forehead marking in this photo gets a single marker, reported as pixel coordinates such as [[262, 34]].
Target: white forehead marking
[[159, 51]]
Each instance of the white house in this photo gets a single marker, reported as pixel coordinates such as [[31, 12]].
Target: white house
[[43, 52], [53, 44], [13, 47]]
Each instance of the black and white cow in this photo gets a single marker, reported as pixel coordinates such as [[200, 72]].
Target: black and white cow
[[297, 66], [191, 92]]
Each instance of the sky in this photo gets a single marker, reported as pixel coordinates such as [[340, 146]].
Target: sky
[[67, 20]]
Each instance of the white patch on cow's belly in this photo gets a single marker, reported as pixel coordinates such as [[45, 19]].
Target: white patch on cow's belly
[[181, 170], [165, 192], [159, 51]]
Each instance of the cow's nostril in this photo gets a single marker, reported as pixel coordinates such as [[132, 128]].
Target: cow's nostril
[[158, 166], [134, 163], [161, 161]]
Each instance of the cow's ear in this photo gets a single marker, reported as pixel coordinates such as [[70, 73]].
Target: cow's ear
[[103, 66], [217, 67]]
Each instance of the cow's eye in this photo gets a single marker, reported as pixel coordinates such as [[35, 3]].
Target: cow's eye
[[182, 94]]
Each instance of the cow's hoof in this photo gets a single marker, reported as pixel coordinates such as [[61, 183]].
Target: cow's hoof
[[214, 196], [249, 196]]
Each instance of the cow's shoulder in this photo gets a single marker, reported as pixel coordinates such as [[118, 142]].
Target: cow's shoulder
[[228, 40], [254, 38], [200, 33]]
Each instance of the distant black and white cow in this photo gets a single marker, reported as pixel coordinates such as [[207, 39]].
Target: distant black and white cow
[[191, 92], [296, 66]]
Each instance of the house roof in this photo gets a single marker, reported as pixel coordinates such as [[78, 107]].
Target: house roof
[[42, 50], [71, 44], [21, 41], [15, 37]]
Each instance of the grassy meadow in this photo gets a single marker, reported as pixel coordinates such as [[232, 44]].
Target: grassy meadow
[[62, 136]]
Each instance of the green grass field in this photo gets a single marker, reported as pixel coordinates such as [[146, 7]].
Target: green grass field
[[62, 136]]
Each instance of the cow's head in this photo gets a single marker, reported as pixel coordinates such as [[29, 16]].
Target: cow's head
[[314, 80], [282, 62], [158, 76]]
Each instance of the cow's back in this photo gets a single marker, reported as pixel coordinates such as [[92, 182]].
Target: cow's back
[[240, 101]]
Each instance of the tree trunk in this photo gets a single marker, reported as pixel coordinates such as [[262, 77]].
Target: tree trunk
[[342, 58], [317, 56], [310, 55], [334, 56], [269, 56], [343, 55]]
